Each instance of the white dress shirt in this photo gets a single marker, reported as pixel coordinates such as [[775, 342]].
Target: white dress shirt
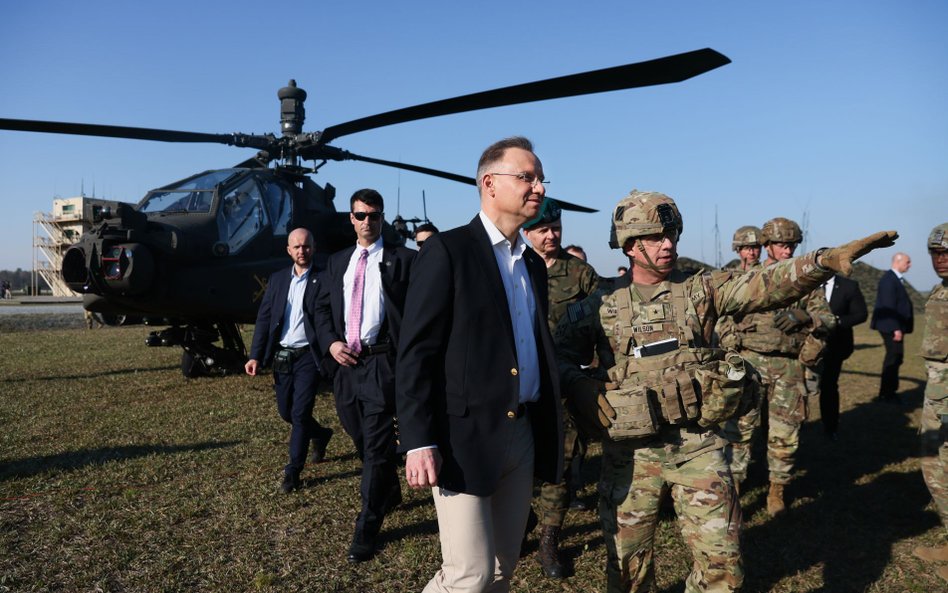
[[373, 299], [519, 291], [830, 285]]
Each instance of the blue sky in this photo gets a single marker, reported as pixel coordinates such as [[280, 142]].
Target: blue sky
[[833, 110]]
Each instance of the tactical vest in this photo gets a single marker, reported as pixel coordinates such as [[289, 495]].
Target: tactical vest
[[935, 342], [666, 375], [758, 333]]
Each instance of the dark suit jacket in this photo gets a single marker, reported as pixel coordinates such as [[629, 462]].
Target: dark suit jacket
[[893, 310], [269, 324], [330, 306], [849, 306], [457, 379]]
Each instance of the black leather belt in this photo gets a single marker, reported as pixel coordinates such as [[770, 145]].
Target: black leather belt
[[370, 349]]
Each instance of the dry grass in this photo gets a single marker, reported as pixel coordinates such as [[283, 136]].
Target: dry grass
[[117, 474]]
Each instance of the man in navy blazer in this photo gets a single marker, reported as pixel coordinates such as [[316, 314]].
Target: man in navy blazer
[[848, 305], [358, 316], [893, 318], [477, 388], [284, 336]]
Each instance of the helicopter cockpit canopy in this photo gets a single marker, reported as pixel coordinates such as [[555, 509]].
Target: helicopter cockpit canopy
[[194, 194]]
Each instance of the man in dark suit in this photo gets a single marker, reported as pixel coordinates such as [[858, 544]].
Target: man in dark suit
[[848, 305], [358, 315], [284, 335], [893, 318], [477, 390]]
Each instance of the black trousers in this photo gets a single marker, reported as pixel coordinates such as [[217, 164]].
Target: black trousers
[[894, 352], [295, 397], [829, 391], [365, 403]]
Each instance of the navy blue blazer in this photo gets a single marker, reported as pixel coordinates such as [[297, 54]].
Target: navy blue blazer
[[269, 324], [893, 310], [456, 379], [330, 324]]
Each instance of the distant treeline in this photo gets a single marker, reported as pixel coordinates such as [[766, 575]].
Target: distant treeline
[[19, 280]]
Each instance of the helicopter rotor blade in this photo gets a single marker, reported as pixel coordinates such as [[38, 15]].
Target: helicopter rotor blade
[[346, 155], [263, 142], [665, 70], [53, 127]]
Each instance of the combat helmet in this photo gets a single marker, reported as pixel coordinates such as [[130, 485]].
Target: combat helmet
[[938, 238], [643, 213], [746, 236], [780, 230]]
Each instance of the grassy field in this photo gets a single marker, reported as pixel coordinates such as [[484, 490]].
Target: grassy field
[[118, 474]]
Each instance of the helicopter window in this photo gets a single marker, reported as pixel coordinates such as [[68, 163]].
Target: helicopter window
[[241, 216], [177, 201], [191, 195], [278, 205]]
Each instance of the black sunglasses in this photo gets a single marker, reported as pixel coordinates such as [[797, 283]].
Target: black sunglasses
[[373, 216]]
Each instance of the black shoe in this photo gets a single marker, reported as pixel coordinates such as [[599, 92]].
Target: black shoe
[[290, 483], [361, 551], [320, 441]]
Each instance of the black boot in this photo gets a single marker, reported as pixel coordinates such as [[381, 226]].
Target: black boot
[[549, 552], [319, 442]]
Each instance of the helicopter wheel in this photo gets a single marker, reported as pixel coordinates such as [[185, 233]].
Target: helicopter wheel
[[192, 366], [112, 319]]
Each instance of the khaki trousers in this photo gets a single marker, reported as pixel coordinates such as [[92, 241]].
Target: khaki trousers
[[481, 535]]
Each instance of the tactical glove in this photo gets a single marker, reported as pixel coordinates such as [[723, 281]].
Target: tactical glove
[[790, 320], [840, 259], [586, 398]]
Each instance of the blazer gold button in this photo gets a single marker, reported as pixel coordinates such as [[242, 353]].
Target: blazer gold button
[[511, 414], [513, 372]]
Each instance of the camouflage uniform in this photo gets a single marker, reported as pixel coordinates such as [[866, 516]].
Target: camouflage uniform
[[785, 384], [570, 280], [934, 421], [687, 457]]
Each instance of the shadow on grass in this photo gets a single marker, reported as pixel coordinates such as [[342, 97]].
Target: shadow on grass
[[72, 460], [853, 502], [92, 375]]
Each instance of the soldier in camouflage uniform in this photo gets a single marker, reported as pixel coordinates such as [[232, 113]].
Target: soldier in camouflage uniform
[[781, 346], [934, 422], [667, 390], [570, 279], [746, 244]]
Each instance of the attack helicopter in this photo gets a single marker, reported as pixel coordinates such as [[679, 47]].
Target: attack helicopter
[[195, 255]]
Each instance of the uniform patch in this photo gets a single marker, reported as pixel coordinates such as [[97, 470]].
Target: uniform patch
[[646, 328], [577, 311]]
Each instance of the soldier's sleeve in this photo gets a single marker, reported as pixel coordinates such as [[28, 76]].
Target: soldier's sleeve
[[577, 334], [589, 282], [768, 288], [824, 322]]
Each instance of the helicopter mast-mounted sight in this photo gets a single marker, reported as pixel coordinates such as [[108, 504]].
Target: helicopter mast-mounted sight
[[292, 112]]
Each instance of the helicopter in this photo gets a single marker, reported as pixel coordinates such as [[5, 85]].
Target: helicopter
[[196, 254]]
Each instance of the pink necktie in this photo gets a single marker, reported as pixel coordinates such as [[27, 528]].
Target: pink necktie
[[354, 324]]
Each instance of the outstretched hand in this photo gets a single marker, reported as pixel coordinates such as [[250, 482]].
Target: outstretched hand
[[840, 259]]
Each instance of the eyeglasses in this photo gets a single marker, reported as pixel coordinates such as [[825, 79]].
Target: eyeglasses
[[530, 178], [656, 238], [373, 216]]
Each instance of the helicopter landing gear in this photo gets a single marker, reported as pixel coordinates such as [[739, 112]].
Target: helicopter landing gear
[[202, 356]]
